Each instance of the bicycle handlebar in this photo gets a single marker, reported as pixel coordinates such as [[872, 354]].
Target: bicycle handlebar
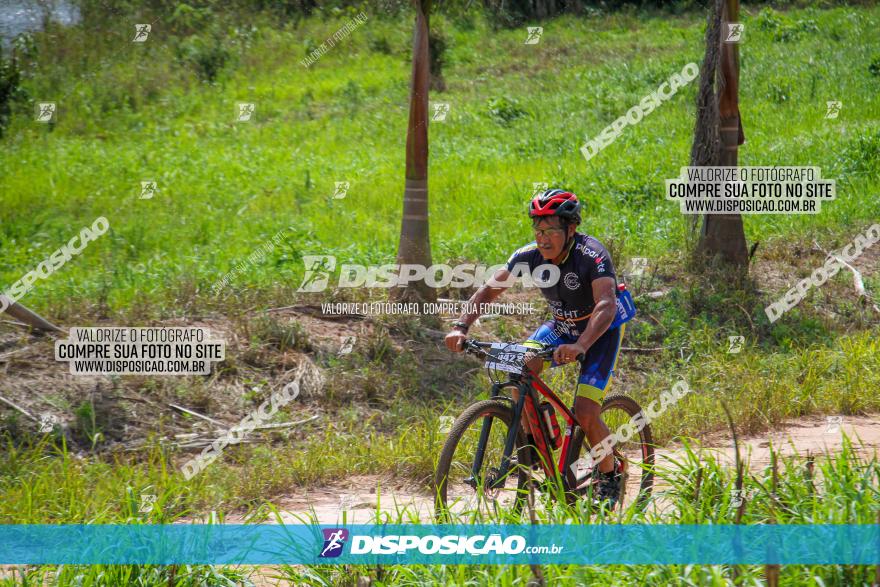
[[478, 347]]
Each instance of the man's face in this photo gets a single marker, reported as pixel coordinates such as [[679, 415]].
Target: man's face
[[550, 236]]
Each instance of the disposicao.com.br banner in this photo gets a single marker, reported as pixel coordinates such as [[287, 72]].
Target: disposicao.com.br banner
[[439, 544]]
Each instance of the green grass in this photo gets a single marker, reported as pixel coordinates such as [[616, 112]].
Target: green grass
[[837, 489], [400, 437], [130, 112]]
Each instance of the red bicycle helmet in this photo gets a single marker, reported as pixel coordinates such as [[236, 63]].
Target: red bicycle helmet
[[556, 202]]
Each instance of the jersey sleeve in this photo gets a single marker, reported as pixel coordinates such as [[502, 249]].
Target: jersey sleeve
[[521, 255]]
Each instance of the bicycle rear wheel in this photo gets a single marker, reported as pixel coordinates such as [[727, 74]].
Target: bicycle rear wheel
[[461, 490], [636, 455]]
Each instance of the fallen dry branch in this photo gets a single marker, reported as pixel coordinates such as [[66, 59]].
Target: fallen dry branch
[[858, 283], [198, 415], [29, 317], [202, 443], [19, 408], [633, 349], [11, 353], [286, 424]]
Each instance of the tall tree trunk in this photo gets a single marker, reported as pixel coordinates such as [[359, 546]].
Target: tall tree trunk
[[415, 244], [722, 235]]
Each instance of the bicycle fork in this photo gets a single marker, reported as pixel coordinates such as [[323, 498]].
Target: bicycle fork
[[497, 482]]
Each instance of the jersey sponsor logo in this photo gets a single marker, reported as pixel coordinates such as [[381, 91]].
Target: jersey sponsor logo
[[591, 253], [594, 255], [582, 247], [569, 314], [571, 281]]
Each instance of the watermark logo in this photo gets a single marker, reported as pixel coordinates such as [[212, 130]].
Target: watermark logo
[[833, 109], [341, 190], [141, 32], [453, 307], [646, 105], [446, 544], [534, 36], [735, 344], [832, 424], [634, 426], [256, 256], [441, 109], [45, 111], [148, 190], [638, 266], [582, 467], [147, 502], [539, 187], [334, 540], [318, 268], [265, 412], [347, 501], [142, 351], [48, 423], [445, 424], [748, 189], [54, 262], [735, 32], [245, 111], [738, 496], [347, 346], [342, 33], [817, 278]]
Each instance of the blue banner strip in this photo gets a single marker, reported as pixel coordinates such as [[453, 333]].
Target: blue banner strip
[[440, 544]]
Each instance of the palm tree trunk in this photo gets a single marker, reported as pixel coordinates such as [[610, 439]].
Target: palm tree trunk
[[722, 235], [415, 244]]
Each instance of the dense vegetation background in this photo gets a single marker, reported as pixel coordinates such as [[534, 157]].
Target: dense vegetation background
[[165, 111]]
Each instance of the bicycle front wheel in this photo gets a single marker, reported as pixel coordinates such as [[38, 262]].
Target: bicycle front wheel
[[469, 483]]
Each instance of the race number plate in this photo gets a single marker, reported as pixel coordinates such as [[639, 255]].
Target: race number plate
[[507, 357]]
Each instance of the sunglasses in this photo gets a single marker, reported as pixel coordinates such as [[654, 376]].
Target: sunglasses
[[550, 232]]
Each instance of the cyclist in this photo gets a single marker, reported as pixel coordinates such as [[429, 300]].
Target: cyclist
[[583, 304]]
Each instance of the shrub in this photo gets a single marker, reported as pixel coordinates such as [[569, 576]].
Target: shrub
[[10, 89], [505, 110], [207, 55]]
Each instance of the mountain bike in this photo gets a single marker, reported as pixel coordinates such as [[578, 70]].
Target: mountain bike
[[486, 463]]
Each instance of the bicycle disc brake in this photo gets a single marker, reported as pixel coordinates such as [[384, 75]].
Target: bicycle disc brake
[[492, 475]]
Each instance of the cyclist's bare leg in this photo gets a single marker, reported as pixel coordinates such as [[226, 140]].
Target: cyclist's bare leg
[[586, 411]]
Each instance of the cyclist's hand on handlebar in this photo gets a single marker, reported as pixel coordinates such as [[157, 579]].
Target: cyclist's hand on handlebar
[[566, 353], [455, 340]]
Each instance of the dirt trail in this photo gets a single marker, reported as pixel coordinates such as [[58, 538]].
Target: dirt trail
[[356, 500]]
